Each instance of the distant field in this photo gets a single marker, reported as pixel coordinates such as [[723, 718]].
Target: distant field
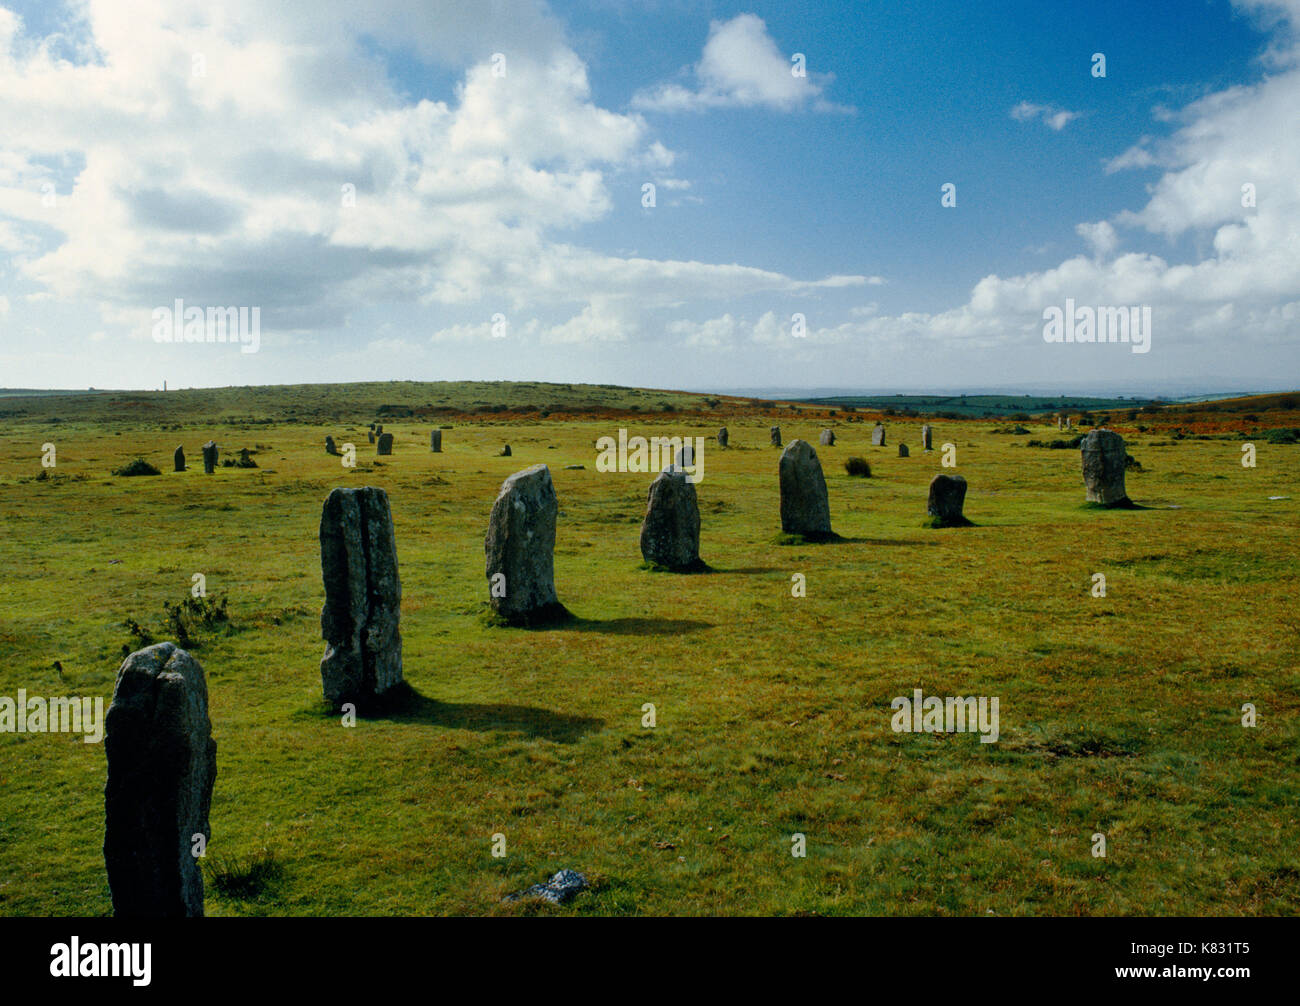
[[1119, 715]]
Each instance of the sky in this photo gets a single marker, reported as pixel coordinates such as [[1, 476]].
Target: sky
[[661, 193]]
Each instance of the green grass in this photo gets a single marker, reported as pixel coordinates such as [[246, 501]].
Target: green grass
[[1118, 714]]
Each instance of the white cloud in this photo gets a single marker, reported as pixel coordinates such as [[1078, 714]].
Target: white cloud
[[741, 66], [1052, 116]]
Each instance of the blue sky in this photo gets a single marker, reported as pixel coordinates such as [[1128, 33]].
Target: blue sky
[[199, 154]]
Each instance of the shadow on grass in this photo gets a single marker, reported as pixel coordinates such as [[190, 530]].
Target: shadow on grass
[[634, 626], [404, 704], [1124, 504]]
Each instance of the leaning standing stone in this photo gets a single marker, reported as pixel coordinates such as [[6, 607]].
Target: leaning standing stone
[[162, 762], [902, 451], [925, 437], [1104, 457], [329, 446], [505, 451], [209, 457], [776, 436], [878, 435], [178, 459], [827, 438], [385, 444], [722, 437], [363, 597], [670, 533], [520, 549], [435, 441], [805, 507], [947, 497]]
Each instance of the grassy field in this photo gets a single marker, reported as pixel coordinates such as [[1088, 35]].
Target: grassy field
[[1119, 715]]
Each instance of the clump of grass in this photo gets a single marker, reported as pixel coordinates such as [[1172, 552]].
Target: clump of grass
[[1058, 445], [551, 615], [936, 522], [789, 538], [137, 467], [1282, 435], [185, 623], [245, 878], [858, 467]]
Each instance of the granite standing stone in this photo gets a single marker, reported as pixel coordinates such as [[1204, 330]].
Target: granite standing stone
[[329, 446], [722, 437], [505, 451], [363, 597], [209, 457], [435, 441], [1104, 458], [827, 438], [947, 497], [670, 533], [371, 435], [902, 451], [162, 762], [178, 460], [776, 436], [878, 436], [520, 549], [685, 456], [385, 444], [925, 437], [805, 506]]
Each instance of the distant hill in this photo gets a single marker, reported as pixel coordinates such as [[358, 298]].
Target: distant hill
[[984, 406]]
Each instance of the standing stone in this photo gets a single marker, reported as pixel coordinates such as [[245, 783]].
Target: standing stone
[[520, 549], [947, 497], [776, 436], [1104, 457], [209, 457], [805, 507], [1060, 422], [722, 437], [385, 443], [925, 437], [505, 451], [178, 459], [329, 446], [685, 456], [162, 762], [878, 435], [902, 451], [670, 533], [435, 441], [363, 597], [1069, 422], [827, 438], [379, 429], [371, 435]]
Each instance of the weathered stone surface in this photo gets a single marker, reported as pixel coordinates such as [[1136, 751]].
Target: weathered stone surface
[[329, 446], [902, 451], [805, 507], [1060, 422], [878, 436], [670, 533], [435, 441], [925, 437], [162, 762], [363, 597], [371, 435], [520, 546], [561, 888], [178, 459], [776, 436], [947, 497], [723, 437], [1104, 458], [505, 451], [827, 438], [209, 457], [384, 444]]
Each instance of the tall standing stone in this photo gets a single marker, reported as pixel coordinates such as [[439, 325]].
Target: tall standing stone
[[363, 597], [1060, 422], [670, 533], [178, 459], [723, 435], [805, 506], [925, 437], [827, 438], [209, 457], [162, 762], [776, 436], [371, 435], [329, 446], [878, 435], [903, 451], [947, 497], [520, 549], [1104, 457], [385, 444], [435, 441]]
